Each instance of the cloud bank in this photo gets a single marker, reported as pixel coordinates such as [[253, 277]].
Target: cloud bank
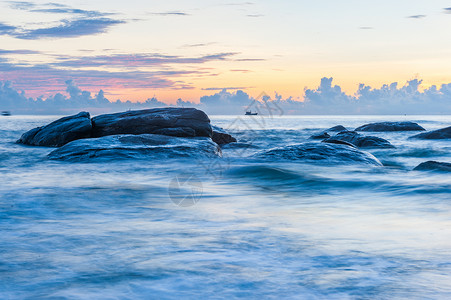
[[77, 22], [326, 99]]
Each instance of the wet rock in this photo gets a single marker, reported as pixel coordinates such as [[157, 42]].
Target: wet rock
[[338, 142], [144, 146], [177, 132], [320, 136], [391, 126], [441, 134], [434, 166], [221, 137], [359, 140], [337, 128], [59, 132], [320, 153], [170, 120]]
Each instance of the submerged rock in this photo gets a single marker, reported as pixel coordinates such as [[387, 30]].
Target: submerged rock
[[59, 132], [359, 140], [338, 142], [337, 128], [320, 136], [391, 126], [322, 153], [181, 122], [441, 134], [221, 137], [325, 134], [434, 166], [144, 146]]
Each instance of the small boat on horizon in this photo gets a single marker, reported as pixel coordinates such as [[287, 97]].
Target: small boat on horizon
[[5, 113], [250, 113]]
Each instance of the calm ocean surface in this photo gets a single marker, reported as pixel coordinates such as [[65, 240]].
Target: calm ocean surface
[[257, 229]]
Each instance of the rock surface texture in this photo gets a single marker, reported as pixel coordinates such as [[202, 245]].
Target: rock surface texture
[[145, 146], [321, 153], [359, 140], [221, 137], [434, 166], [441, 134], [59, 132], [180, 122], [391, 126]]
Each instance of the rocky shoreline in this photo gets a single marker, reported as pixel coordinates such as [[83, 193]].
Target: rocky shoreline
[[187, 132]]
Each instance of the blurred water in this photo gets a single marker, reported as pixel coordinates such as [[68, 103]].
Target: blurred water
[[261, 228]]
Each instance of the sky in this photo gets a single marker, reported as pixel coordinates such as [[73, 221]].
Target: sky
[[137, 50]]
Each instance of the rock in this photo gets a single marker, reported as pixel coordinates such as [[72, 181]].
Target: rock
[[441, 134], [169, 120], [320, 153], [337, 128], [391, 126], [338, 142], [221, 137], [434, 166], [144, 146], [320, 136], [359, 140], [177, 132], [59, 132]]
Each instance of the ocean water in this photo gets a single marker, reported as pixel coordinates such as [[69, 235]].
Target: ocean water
[[232, 227]]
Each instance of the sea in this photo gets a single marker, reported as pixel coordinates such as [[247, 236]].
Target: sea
[[230, 227]]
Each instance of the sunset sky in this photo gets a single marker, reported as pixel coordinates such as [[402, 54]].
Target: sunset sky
[[174, 49]]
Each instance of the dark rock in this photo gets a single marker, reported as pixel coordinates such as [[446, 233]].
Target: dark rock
[[434, 166], [179, 121], [60, 132], [391, 126], [144, 146], [359, 140], [221, 137], [320, 136], [177, 132], [441, 134], [320, 153], [338, 142], [337, 128]]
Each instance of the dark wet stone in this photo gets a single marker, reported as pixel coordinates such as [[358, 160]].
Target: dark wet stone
[[337, 128], [172, 120], [359, 140], [391, 126], [320, 153], [320, 136], [338, 142], [434, 166], [177, 132], [441, 134], [59, 132], [144, 146], [221, 137]]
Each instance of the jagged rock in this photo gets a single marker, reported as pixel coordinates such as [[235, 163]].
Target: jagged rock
[[434, 166], [221, 137], [441, 134], [169, 120], [59, 132], [320, 153], [359, 140], [144, 146], [391, 126]]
